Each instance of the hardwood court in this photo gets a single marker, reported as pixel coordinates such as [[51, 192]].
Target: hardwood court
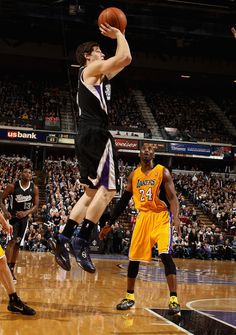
[[76, 302]]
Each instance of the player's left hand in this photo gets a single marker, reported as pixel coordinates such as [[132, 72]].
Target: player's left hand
[[109, 31], [176, 223], [233, 30]]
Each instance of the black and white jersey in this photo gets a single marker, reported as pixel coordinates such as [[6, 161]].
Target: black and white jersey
[[93, 102], [21, 198], [95, 145]]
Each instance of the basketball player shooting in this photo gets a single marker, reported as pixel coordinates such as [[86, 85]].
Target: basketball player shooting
[[96, 149]]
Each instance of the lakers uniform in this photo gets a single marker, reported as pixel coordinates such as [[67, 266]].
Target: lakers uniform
[[154, 222], [96, 150], [21, 200], [2, 253]]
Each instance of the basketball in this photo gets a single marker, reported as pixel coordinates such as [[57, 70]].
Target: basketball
[[114, 17]]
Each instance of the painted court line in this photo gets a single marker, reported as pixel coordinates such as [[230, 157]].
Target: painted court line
[[168, 321], [188, 304]]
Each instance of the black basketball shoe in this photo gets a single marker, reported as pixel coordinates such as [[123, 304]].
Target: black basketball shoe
[[18, 306], [61, 252], [80, 249], [125, 304], [52, 243]]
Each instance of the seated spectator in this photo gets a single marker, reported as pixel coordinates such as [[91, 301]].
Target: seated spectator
[[126, 243], [204, 250], [227, 250]]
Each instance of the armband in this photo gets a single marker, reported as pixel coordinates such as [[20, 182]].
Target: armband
[[120, 206]]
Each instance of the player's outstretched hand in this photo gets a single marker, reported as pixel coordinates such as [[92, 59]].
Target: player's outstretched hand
[[176, 223], [109, 31], [233, 30]]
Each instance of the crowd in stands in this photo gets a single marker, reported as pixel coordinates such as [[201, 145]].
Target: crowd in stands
[[189, 114], [212, 194], [180, 114], [125, 111], [215, 195], [228, 106], [200, 241], [27, 103]]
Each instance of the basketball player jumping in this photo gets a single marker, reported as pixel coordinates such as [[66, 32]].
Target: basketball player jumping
[[155, 198], [96, 152], [24, 200], [15, 304]]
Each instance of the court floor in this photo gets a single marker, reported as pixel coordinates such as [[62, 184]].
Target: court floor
[[80, 303]]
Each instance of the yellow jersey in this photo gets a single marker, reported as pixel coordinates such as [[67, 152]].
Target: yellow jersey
[[146, 189]]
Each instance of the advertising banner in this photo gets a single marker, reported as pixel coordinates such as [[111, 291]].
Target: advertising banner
[[125, 133], [36, 136], [126, 144], [190, 149], [195, 150], [22, 135]]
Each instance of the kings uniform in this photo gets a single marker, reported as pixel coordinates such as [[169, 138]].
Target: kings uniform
[[154, 223], [96, 150], [21, 200]]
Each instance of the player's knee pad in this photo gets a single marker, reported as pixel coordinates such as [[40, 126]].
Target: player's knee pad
[[170, 268], [133, 269]]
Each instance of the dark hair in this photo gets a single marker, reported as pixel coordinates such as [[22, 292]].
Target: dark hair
[[86, 47]]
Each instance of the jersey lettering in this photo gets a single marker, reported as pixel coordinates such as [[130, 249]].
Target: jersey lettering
[[145, 182], [146, 195], [27, 205], [23, 198]]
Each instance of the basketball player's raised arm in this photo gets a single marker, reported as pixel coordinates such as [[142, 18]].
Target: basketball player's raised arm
[[172, 198], [110, 67], [122, 50]]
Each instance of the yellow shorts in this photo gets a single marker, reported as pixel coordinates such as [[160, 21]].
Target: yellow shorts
[[2, 253], [150, 228]]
